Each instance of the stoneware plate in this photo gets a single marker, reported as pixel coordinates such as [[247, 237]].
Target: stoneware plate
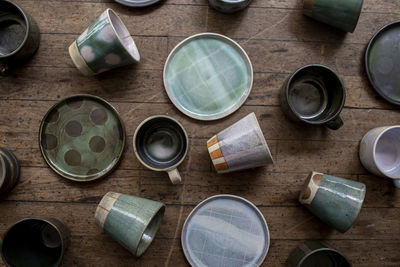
[[82, 138], [382, 61], [225, 230], [137, 3], [208, 76]]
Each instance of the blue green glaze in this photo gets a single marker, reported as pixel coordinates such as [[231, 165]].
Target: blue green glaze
[[338, 202]]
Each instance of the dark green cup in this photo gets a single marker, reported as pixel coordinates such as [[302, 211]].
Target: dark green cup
[[19, 36], [342, 14], [316, 254], [9, 171], [35, 243]]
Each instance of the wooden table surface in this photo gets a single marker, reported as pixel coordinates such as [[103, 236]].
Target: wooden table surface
[[278, 40]]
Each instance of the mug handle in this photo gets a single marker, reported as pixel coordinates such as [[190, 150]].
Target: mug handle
[[396, 183], [335, 124], [174, 176], [4, 69]]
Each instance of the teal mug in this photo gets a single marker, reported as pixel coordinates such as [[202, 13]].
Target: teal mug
[[335, 201], [132, 221], [106, 44]]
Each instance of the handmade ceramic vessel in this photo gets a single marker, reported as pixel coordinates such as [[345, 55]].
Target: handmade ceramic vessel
[[240, 146], [342, 14], [335, 201], [9, 171], [380, 152], [19, 36], [35, 243], [161, 144], [225, 230], [315, 95], [315, 253], [82, 138], [137, 3], [131, 221], [229, 6], [104, 45]]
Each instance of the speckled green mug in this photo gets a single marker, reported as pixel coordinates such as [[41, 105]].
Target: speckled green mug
[[130, 220], [104, 45], [335, 201]]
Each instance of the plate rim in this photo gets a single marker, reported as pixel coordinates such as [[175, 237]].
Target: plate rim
[[228, 41], [53, 167], [134, 4], [367, 57], [227, 196]]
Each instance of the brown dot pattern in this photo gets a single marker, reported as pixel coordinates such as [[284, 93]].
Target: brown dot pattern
[[317, 179], [74, 103], [49, 141], [307, 194], [72, 157], [97, 144], [53, 117], [98, 116], [92, 171], [73, 128]]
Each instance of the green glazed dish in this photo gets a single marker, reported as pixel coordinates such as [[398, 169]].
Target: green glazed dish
[[82, 138], [208, 76]]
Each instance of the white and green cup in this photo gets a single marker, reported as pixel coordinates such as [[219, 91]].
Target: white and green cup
[[104, 45], [130, 220]]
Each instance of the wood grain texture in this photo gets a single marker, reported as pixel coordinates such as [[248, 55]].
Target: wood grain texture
[[278, 40]]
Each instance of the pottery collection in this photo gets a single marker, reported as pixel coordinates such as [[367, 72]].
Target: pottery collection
[[207, 77]]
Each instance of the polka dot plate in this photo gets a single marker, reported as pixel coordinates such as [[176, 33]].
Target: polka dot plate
[[82, 138], [225, 230]]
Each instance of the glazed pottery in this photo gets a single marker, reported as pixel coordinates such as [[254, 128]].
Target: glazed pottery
[[19, 36], [315, 253], [9, 171], [35, 243], [342, 14], [208, 76], [104, 45], [315, 95], [335, 201], [130, 220], [225, 230], [240, 146], [82, 138], [382, 62], [161, 144], [137, 3], [229, 6], [380, 152]]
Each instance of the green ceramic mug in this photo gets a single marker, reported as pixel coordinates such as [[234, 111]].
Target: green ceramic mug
[[9, 171], [131, 221], [314, 253], [104, 45], [35, 243], [335, 201]]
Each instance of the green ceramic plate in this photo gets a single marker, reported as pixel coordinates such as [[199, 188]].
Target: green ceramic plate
[[208, 76], [82, 138]]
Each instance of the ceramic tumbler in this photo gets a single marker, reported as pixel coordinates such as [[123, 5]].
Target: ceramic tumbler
[[131, 221], [315, 95], [335, 201], [19, 36], [9, 171], [315, 253], [229, 6], [161, 144], [35, 243], [239, 147], [380, 152], [104, 45], [342, 14]]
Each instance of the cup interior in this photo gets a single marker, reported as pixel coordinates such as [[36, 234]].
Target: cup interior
[[32, 242], [387, 153], [161, 143], [150, 231], [13, 28], [315, 94], [326, 258], [123, 35]]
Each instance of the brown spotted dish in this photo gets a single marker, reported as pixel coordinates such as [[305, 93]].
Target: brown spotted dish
[[82, 138]]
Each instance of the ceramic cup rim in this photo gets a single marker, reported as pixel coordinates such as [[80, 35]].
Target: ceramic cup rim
[[378, 137], [53, 166], [45, 220], [238, 48], [28, 26], [135, 136], [329, 249], [331, 117], [137, 3], [3, 172]]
